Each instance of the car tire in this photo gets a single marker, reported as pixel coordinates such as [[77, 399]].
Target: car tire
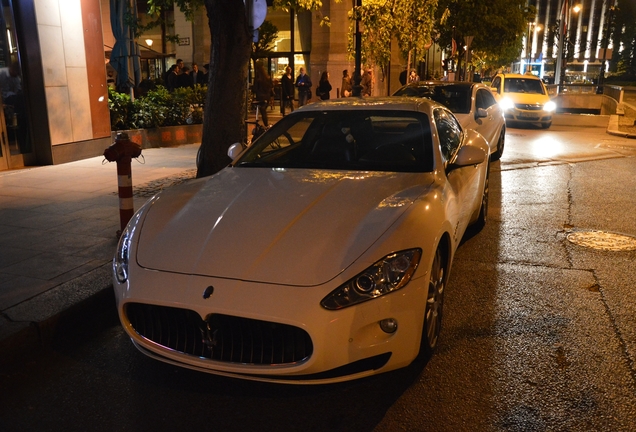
[[438, 278], [483, 209], [546, 125], [500, 145]]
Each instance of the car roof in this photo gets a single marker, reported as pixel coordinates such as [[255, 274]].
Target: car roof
[[521, 76], [392, 103]]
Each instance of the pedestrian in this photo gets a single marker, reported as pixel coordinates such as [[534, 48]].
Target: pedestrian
[[287, 91], [303, 83], [414, 77], [206, 74], [262, 90], [346, 84], [367, 83], [184, 78], [324, 86], [196, 76], [172, 78], [402, 77]]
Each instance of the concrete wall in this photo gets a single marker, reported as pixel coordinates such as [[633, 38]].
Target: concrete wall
[[69, 88]]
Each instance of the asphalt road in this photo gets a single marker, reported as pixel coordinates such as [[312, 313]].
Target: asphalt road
[[539, 333]]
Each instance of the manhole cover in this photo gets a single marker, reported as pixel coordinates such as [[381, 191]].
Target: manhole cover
[[603, 240]]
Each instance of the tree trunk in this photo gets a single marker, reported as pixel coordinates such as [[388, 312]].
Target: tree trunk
[[223, 120]]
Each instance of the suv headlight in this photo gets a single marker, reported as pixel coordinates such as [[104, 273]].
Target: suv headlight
[[506, 103], [387, 275], [549, 106]]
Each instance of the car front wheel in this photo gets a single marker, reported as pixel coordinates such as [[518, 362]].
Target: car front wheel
[[434, 305], [500, 145]]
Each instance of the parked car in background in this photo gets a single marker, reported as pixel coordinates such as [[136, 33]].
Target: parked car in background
[[472, 103], [524, 99], [321, 254]]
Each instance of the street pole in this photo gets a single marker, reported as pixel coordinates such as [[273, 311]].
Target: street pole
[[604, 45], [357, 73]]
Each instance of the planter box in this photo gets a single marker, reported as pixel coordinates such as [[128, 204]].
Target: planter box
[[168, 136]]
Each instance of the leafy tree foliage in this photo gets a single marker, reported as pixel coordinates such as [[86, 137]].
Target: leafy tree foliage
[[408, 21], [497, 26], [267, 34], [624, 35]]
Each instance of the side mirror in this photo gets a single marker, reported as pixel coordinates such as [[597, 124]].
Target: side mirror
[[468, 155], [234, 150], [481, 113]]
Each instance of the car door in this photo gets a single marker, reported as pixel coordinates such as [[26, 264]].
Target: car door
[[461, 190], [496, 87], [491, 124]]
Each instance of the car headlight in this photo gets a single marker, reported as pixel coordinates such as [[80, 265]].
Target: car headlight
[[387, 275], [122, 256], [549, 106], [506, 104]]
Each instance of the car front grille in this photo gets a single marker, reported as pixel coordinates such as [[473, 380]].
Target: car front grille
[[222, 338], [529, 107]]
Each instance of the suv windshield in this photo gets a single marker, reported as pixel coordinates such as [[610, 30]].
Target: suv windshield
[[454, 97], [523, 85], [362, 140]]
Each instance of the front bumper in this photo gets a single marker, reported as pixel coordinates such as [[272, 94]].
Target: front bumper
[[528, 116], [345, 344]]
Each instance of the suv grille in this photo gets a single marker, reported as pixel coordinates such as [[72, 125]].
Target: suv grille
[[222, 338], [529, 107]]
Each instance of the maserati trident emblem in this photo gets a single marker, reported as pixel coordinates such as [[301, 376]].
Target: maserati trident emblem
[[208, 292], [208, 336]]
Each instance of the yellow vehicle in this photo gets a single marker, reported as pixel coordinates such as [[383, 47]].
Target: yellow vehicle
[[523, 98]]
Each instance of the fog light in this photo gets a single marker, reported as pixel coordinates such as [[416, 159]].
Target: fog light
[[388, 325]]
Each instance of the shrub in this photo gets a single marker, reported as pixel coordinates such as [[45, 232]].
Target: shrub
[[158, 107]]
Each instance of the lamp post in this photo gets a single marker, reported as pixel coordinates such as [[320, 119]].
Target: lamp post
[[356, 89], [564, 42], [604, 47], [533, 27]]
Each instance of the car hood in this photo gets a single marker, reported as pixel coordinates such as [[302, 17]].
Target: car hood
[[528, 98], [297, 227], [465, 119]]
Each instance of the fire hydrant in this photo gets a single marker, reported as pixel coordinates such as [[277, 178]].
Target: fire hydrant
[[122, 151]]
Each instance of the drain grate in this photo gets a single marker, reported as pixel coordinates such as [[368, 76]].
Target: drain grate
[[602, 240]]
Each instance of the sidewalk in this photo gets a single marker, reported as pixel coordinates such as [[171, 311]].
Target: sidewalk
[[58, 228], [623, 125]]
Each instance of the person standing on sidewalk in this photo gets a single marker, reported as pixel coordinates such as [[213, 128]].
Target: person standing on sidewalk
[[346, 84], [287, 91], [303, 82], [262, 90], [324, 86]]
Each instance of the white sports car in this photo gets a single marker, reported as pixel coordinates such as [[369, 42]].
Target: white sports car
[[321, 254], [472, 103]]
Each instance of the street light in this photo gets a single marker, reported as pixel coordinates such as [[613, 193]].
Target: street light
[[564, 42], [533, 28]]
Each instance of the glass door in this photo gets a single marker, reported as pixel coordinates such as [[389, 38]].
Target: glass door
[[16, 139]]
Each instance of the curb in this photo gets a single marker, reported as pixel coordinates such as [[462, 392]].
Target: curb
[[86, 302], [612, 128]]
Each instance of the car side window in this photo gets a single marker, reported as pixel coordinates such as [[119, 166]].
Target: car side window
[[496, 83], [485, 99], [449, 132]]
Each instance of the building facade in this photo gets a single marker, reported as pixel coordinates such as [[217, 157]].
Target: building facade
[[576, 30], [52, 74]]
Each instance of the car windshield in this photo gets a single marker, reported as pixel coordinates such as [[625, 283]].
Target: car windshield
[[454, 97], [522, 85], [364, 140]]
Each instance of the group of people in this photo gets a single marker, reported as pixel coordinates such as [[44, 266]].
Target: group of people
[[179, 76], [263, 88]]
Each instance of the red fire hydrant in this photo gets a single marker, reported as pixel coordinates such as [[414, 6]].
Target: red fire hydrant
[[122, 151]]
